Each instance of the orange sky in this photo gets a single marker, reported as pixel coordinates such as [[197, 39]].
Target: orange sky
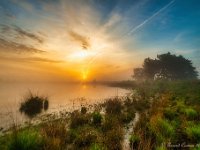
[[85, 40]]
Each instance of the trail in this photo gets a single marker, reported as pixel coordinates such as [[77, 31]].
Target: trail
[[129, 131]]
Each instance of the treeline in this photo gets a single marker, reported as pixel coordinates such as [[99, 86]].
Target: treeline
[[166, 66]]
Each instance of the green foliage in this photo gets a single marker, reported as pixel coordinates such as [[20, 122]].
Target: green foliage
[[96, 118], [166, 66], [134, 141], [170, 114], [85, 137], [161, 148], [193, 132], [113, 138], [126, 117], [110, 122], [55, 135], [190, 113], [96, 146], [162, 129], [25, 140]]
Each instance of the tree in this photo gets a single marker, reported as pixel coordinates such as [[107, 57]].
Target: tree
[[166, 66]]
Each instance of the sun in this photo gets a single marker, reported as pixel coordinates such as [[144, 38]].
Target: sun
[[84, 75]]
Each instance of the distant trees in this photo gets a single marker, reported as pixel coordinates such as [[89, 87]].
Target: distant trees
[[166, 66]]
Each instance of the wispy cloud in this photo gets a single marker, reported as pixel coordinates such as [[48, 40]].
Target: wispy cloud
[[9, 46], [23, 33], [15, 31], [82, 40], [30, 59]]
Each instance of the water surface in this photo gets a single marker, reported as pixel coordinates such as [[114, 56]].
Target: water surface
[[61, 96]]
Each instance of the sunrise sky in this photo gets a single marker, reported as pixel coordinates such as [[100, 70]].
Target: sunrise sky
[[74, 40]]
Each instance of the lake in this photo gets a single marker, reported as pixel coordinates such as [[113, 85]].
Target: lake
[[61, 96]]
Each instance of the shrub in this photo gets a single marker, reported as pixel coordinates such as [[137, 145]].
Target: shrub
[[85, 137], [33, 105], [126, 117], [170, 114], [55, 135], [78, 119], [96, 146], [96, 118], [113, 138], [25, 140], [83, 110], [110, 122], [190, 113], [193, 132], [113, 106], [46, 104], [134, 141], [162, 129], [165, 128]]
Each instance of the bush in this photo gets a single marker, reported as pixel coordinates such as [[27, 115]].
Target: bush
[[55, 135], [169, 114], [113, 106], [96, 146], [193, 132], [78, 119], [46, 104], [110, 122], [113, 138], [162, 129], [96, 118], [33, 105], [83, 110], [134, 141], [165, 128], [190, 113], [127, 117], [25, 140], [85, 137]]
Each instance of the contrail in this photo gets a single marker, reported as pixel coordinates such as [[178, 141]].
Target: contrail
[[150, 18], [133, 29]]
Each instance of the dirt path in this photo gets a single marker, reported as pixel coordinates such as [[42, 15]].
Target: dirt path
[[128, 132]]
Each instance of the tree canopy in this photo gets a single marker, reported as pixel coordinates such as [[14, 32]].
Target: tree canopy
[[166, 66]]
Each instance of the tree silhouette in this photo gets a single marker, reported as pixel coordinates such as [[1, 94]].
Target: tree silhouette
[[166, 66]]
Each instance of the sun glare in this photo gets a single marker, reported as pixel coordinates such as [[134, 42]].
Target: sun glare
[[84, 75]]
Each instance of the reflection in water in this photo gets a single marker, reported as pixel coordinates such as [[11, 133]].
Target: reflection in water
[[61, 96]]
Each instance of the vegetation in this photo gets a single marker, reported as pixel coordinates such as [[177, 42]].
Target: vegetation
[[33, 105], [166, 66], [169, 115], [172, 118]]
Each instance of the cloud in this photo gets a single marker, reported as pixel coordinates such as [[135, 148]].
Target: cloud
[[84, 41], [9, 46], [15, 31], [23, 33], [39, 59], [30, 59], [5, 28]]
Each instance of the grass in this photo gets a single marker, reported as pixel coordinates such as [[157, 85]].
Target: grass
[[193, 132], [172, 117], [134, 141], [97, 118], [25, 140], [168, 114]]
